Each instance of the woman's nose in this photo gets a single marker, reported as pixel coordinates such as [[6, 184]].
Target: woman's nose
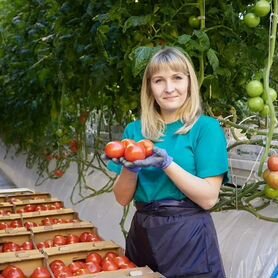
[[170, 88]]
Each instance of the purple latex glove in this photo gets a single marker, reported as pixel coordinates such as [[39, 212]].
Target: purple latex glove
[[159, 159]]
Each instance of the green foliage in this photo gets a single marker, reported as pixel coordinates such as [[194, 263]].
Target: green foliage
[[62, 60]]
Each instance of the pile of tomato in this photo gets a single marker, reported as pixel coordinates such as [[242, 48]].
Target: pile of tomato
[[12, 271], [93, 263], [257, 97], [253, 18], [270, 176], [129, 149]]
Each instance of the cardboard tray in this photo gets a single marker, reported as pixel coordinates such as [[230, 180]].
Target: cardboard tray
[[26, 261], [42, 233]]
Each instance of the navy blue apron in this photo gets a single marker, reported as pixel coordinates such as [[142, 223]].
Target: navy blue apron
[[176, 238]]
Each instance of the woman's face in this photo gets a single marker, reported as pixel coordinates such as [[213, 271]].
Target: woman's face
[[170, 90]]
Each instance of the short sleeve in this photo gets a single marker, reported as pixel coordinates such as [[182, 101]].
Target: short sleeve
[[211, 156]]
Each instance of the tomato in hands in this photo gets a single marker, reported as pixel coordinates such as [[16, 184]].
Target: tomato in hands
[[134, 152], [147, 145], [114, 149]]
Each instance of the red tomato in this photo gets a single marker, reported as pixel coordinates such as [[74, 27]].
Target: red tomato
[[74, 146], [41, 245], [48, 243], [147, 145], [93, 267], [272, 163], [58, 173], [134, 152], [12, 271], [47, 221], [110, 255], [109, 265], [127, 142], [29, 208], [83, 237], [59, 240], [10, 247], [128, 265], [27, 245], [15, 224], [94, 257], [81, 271], [114, 149], [93, 238], [4, 225], [56, 265], [58, 205], [28, 225], [121, 260], [63, 273], [72, 239], [40, 272], [75, 266]]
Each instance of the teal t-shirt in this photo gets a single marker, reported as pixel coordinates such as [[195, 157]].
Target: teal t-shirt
[[202, 152]]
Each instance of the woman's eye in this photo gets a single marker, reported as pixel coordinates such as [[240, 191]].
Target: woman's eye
[[178, 77], [157, 80]]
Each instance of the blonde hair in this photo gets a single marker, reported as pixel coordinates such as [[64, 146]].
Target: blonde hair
[[153, 126]]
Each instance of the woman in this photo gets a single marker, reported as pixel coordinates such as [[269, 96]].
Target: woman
[[172, 231]]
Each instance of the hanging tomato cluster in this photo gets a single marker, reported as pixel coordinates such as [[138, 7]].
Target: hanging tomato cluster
[[257, 97], [253, 18], [270, 177]]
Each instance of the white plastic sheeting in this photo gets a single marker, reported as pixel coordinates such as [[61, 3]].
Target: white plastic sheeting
[[249, 246]]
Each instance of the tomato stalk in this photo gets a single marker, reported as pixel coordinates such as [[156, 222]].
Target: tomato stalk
[[272, 117], [201, 58]]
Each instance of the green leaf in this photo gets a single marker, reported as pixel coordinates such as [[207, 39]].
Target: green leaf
[[184, 39], [134, 21], [213, 59], [203, 40], [141, 56]]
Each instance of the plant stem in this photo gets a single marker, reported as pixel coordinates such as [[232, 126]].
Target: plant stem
[[272, 118]]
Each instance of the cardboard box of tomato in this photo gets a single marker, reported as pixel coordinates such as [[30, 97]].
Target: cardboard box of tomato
[[22, 263], [15, 242], [22, 196], [64, 234], [29, 206], [51, 217]]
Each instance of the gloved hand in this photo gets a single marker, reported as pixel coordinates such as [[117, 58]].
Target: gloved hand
[[159, 159]]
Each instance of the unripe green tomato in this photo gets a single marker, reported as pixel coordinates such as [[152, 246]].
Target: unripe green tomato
[[265, 111], [256, 104], [59, 132], [254, 88], [194, 22], [251, 20], [262, 8], [270, 192], [272, 95]]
